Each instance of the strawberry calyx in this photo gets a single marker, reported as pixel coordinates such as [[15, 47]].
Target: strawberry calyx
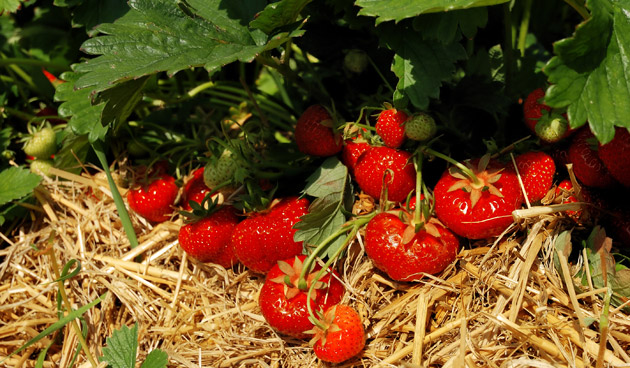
[[208, 206], [485, 179], [323, 325], [291, 276]]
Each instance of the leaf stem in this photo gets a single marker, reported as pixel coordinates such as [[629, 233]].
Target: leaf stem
[[524, 27], [118, 200], [459, 165], [580, 8], [356, 225]]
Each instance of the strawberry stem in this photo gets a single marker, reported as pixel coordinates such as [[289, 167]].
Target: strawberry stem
[[356, 225], [465, 170], [417, 162]]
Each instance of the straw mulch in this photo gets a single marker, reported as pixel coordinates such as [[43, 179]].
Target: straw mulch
[[500, 305]]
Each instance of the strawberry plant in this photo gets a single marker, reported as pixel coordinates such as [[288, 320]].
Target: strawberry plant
[[317, 125]]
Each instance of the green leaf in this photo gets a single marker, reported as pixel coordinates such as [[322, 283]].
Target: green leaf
[[58, 325], [122, 347], [448, 27], [74, 147], [9, 6], [598, 247], [17, 182], [85, 117], [162, 35], [94, 12], [397, 10], [590, 73], [278, 14], [420, 65], [331, 187], [120, 101], [156, 359]]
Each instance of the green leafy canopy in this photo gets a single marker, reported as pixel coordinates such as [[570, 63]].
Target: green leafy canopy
[[590, 73], [161, 35]]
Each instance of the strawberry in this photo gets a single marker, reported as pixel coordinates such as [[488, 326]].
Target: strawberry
[[195, 189], [41, 142], [587, 166], [478, 208], [355, 61], [219, 172], [564, 194], [554, 126], [351, 151], [616, 156], [390, 125], [314, 133], [209, 239], [283, 304], [154, 201], [537, 170], [420, 127], [41, 166], [341, 335], [380, 165], [404, 254], [266, 237]]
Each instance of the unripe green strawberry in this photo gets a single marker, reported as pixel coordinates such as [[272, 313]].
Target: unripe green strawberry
[[220, 171], [551, 128], [42, 143], [420, 127], [355, 61], [41, 166]]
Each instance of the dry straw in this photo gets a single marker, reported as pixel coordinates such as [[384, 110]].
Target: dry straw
[[500, 305]]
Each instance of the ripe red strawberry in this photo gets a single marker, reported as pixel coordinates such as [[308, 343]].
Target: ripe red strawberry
[[482, 209], [265, 238], [154, 201], [533, 108], [395, 165], [405, 255], [283, 304], [390, 125], [314, 133], [342, 337], [537, 170], [351, 151], [564, 194], [209, 239], [616, 156], [587, 166], [195, 189]]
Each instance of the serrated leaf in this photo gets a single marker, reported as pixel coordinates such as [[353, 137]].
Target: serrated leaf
[[278, 14], [9, 6], [330, 184], [448, 27], [590, 73], [155, 359], [420, 65], [397, 10], [17, 182], [85, 118], [122, 347], [162, 35]]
